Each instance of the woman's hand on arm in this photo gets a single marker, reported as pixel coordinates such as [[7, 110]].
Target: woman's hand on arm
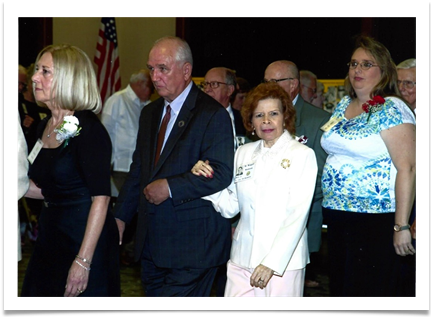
[[202, 169]]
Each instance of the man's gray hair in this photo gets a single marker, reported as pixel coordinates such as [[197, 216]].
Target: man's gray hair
[[409, 63], [183, 53], [141, 75]]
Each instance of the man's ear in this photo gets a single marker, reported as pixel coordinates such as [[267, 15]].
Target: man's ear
[[231, 89], [187, 70], [295, 84]]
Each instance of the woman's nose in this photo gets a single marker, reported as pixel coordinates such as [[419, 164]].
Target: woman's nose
[[34, 77]]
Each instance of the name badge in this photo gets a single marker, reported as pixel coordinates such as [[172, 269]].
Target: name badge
[[330, 124], [35, 151], [244, 172]]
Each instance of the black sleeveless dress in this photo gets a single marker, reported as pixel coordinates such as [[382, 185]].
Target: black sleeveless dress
[[69, 176]]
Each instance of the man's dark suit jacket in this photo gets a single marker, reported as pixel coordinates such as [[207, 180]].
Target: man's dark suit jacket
[[239, 124], [184, 231], [309, 119]]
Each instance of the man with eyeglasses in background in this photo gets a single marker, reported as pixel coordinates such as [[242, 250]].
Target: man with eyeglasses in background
[[309, 119], [406, 72], [220, 83]]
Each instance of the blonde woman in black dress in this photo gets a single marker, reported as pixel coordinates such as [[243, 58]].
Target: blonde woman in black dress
[[76, 253]]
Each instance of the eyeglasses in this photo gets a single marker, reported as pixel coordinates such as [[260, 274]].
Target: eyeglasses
[[213, 84], [276, 80], [364, 65], [406, 83], [313, 89]]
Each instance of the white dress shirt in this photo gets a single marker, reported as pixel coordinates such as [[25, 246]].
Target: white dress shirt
[[230, 111], [120, 117]]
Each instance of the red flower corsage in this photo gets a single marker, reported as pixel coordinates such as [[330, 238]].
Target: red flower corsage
[[372, 105]]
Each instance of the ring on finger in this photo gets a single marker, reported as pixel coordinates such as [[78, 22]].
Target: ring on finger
[[79, 290]]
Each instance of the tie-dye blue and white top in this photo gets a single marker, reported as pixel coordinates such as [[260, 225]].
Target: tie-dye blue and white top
[[359, 175]]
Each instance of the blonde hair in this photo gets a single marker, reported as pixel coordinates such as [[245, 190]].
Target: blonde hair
[[74, 85]]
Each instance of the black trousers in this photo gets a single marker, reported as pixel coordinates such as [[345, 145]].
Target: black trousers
[[361, 254]]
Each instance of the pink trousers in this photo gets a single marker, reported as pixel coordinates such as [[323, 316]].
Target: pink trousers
[[291, 284]]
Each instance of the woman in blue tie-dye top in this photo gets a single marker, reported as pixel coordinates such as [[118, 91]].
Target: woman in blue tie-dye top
[[368, 180]]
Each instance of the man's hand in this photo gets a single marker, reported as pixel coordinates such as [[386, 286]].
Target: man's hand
[[121, 228], [157, 191]]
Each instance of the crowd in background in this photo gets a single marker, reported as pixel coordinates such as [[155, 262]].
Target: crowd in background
[[202, 195]]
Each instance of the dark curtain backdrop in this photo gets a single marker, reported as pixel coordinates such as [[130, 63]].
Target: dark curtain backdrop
[[33, 35], [248, 45], [321, 45]]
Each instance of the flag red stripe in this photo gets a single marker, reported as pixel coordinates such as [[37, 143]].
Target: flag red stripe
[[106, 85], [107, 59]]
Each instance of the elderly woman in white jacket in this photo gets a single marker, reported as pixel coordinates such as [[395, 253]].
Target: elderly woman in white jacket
[[272, 188]]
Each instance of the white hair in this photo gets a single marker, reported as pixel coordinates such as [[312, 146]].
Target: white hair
[[409, 63]]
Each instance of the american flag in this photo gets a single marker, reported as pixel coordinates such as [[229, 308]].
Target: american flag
[[107, 59]]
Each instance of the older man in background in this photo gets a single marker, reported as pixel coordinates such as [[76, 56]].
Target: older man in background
[[309, 119], [120, 117]]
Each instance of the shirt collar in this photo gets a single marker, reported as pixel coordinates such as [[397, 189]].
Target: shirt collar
[[230, 109], [177, 103], [295, 99]]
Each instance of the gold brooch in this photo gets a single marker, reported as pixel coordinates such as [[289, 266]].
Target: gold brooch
[[285, 163]]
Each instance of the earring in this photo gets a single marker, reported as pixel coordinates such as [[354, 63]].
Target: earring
[[252, 132]]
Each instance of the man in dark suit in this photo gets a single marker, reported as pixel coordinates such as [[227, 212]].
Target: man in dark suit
[[181, 240], [309, 119]]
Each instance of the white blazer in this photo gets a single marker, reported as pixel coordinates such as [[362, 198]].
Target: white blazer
[[272, 189]]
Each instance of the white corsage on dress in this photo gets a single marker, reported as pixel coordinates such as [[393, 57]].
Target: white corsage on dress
[[68, 129]]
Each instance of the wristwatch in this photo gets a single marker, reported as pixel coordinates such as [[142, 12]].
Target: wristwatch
[[398, 228]]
